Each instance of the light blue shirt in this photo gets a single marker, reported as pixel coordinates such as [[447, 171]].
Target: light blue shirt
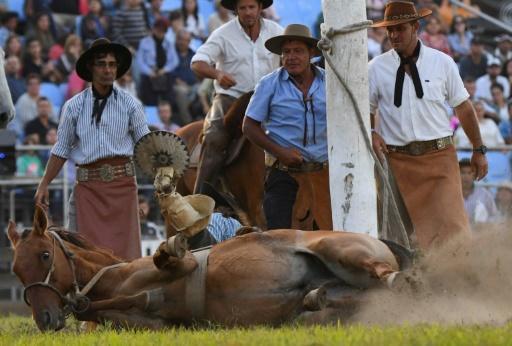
[[279, 105], [122, 124], [223, 228], [146, 55]]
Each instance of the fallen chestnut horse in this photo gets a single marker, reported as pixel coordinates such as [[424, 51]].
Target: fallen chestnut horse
[[258, 278]]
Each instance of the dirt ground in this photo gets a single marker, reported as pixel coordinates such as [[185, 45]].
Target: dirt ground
[[464, 282]]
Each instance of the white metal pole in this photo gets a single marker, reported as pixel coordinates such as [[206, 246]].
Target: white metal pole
[[352, 182]]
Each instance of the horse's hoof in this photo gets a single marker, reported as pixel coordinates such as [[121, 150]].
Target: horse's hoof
[[401, 282], [315, 300], [177, 245]]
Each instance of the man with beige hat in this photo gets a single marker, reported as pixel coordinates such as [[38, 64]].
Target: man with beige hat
[[409, 86], [290, 104]]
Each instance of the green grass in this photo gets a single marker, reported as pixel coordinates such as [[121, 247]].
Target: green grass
[[22, 331]]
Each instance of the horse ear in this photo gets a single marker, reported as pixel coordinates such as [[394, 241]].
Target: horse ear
[[40, 220], [12, 234]]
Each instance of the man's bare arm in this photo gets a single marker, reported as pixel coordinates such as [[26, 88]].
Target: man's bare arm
[[53, 168], [204, 70]]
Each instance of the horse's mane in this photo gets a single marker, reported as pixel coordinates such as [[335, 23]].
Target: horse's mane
[[235, 115], [77, 240]]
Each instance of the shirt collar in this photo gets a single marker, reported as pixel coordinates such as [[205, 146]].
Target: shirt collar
[[422, 52], [318, 73]]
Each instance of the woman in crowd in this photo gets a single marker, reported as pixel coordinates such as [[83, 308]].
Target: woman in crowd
[[194, 22], [66, 62], [34, 62], [434, 37], [459, 38], [43, 33], [13, 47]]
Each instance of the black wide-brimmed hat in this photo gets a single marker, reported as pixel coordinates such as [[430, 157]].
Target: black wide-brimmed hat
[[231, 4], [398, 12], [297, 32], [123, 57]]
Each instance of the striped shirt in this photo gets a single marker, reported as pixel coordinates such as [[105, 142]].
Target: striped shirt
[[129, 27], [122, 124], [223, 228]]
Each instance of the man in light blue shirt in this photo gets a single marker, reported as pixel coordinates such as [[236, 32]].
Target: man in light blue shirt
[[287, 118]]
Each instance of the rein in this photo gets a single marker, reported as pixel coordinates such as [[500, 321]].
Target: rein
[[76, 301]]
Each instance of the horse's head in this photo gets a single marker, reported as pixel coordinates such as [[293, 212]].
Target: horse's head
[[44, 269]]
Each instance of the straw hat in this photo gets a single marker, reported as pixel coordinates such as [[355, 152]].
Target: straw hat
[[190, 214], [398, 12], [292, 32], [231, 4], [123, 57]]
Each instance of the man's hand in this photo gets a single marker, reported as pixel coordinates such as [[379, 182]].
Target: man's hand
[[225, 80], [379, 146], [290, 157], [42, 196], [479, 165]]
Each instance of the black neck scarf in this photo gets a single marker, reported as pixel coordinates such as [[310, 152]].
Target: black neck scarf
[[161, 56], [99, 104], [400, 75]]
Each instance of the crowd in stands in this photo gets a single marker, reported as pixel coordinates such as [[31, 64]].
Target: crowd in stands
[[43, 43]]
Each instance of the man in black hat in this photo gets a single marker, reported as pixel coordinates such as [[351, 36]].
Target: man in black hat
[[98, 130], [235, 57]]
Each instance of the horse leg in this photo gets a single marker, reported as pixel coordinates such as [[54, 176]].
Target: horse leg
[[357, 262], [131, 320]]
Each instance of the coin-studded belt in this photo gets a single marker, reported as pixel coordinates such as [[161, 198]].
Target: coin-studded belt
[[423, 147], [105, 172]]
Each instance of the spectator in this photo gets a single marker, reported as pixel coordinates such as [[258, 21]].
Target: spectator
[[483, 84], [503, 50], [15, 81], [154, 11], [176, 24], [65, 12], [148, 229], [13, 47], [51, 139], [459, 38], [75, 85], [26, 106], [129, 26], [33, 7], [42, 123], [506, 126], [65, 65], [499, 103], [194, 22], [375, 38], [221, 16], [504, 202], [185, 81], [9, 25], [506, 72], [34, 62], [374, 9], [475, 63], [156, 58], [478, 201], [270, 13], [434, 37], [94, 24], [43, 33], [28, 164], [489, 131], [165, 116]]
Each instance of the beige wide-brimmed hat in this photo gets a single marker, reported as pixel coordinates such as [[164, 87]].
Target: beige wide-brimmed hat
[[122, 54], [398, 12], [292, 32], [505, 185], [231, 4], [189, 215]]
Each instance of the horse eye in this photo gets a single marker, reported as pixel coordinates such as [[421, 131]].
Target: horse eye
[[45, 256]]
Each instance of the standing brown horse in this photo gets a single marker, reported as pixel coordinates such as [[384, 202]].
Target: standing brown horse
[[258, 278], [244, 174]]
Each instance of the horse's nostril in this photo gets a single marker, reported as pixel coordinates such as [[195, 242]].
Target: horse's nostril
[[47, 318]]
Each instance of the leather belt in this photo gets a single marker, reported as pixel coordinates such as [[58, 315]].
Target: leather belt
[[423, 147], [304, 167], [105, 172]]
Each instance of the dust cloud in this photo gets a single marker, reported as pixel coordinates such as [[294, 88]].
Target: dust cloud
[[464, 282]]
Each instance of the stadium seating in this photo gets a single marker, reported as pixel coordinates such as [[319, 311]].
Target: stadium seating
[[151, 115]]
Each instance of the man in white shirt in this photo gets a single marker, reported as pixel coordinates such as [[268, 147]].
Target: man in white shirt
[[483, 84], [409, 86], [237, 50]]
